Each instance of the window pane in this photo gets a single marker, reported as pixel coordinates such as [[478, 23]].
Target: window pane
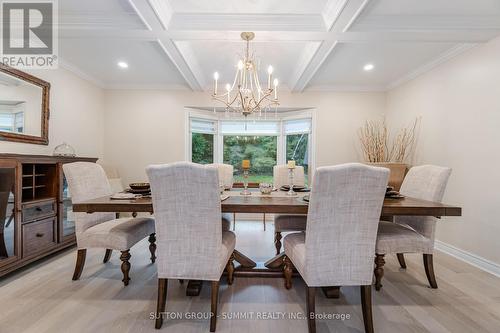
[[250, 127], [260, 150], [298, 126], [202, 148], [297, 149]]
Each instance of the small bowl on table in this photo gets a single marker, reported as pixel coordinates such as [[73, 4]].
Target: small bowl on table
[[140, 186], [265, 188]]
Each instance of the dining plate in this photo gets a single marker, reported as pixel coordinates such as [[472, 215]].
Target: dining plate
[[295, 188]]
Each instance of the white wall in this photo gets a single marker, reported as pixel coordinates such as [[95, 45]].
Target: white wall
[[460, 107], [132, 142], [76, 116]]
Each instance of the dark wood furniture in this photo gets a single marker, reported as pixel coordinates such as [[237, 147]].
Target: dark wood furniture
[[34, 207], [268, 204], [43, 139]]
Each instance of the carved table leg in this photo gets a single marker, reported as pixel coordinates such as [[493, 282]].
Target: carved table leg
[[379, 270], [152, 246], [125, 257]]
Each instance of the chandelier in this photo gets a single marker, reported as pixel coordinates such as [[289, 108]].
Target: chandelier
[[246, 95]]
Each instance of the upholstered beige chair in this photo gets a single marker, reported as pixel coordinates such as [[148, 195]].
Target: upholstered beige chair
[[102, 230], [287, 222], [338, 246], [225, 172], [413, 234], [191, 243]]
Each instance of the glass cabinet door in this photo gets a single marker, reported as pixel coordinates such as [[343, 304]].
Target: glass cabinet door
[[68, 220], [8, 225]]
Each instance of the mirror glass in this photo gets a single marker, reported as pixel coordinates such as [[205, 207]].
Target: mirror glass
[[7, 212], [20, 106]]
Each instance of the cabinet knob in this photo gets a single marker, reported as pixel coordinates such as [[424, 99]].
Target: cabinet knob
[[39, 234]]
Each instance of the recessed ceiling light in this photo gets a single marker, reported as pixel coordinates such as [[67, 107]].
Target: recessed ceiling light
[[368, 67], [122, 64]]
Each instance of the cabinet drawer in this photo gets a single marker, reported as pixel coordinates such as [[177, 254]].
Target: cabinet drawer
[[38, 236], [38, 210]]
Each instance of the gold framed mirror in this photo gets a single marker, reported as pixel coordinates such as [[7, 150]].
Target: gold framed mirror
[[24, 107]]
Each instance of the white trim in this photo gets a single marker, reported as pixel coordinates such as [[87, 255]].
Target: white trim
[[444, 57], [163, 11], [332, 11], [81, 74], [470, 258]]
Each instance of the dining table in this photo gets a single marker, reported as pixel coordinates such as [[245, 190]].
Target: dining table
[[278, 202]]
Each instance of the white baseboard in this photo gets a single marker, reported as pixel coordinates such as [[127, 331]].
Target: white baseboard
[[470, 258]]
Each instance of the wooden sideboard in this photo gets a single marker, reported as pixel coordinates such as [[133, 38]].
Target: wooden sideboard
[[35, 208]]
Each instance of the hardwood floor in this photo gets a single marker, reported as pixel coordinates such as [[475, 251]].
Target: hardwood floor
[[43, 298]]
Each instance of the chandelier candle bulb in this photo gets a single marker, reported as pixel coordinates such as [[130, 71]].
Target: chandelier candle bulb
[[216, 78], [291, 164], [269, 77], [275, 88]]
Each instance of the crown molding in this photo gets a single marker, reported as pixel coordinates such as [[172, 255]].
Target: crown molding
[[170, 87], [78, 72], [346, 88], [444, 57]]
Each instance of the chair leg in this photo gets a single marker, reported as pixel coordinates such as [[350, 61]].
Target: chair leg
[[230, 269], [310, 309], [215, 298], [152, 246], [107, 255], [161, 302], [80, 262], [264, 220], [181, 281], [401, 259], [429, 270], [125, 257], [234, 221], [379, 270], [366, 305], [277, 241], [288, 272]]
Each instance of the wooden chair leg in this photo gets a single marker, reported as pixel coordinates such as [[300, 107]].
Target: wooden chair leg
[[379, 270], [401, 259], [288, 272], [366, 305], [161, 302], [215, 298], [234, 221], [107, 255], [125, 257], [264, 220], [80, 262], [181, 281], [429, 270], [152, 246], [230, 269], [277, 241], [310, 309]]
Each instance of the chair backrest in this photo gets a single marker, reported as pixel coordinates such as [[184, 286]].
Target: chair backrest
[[426, 182], [280, 176], [186, 202], [87, 181], [225, 174], [342, 222]]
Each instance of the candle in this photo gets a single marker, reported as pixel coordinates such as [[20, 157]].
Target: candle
[[275, 88], [245, 164], [228, 88], [216, 77], [291, 164], [270, 74]]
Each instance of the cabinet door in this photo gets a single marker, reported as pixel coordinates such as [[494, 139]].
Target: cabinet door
[[9, 216], [66, 215]]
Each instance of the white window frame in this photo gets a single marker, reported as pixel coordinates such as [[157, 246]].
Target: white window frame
[[281, 141]]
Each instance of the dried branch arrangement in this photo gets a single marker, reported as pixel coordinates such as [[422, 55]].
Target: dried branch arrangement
[[376, 145]]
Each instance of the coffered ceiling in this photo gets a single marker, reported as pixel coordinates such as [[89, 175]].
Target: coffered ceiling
[[313, 45]]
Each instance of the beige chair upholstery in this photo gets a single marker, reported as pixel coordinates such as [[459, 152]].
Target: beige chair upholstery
[[187, 206], [287, 222], [101, 230], [413, 234], [225, 174], [338, 246]]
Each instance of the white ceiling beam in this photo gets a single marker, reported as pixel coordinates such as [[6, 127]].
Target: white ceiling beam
[[180, 63], [242, 22], [345, 18], [163, 11], [332, 11]]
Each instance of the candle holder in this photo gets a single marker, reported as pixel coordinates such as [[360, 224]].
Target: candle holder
[[245, 183], [290, 180]]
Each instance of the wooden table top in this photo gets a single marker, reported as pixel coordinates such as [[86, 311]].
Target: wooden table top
[[276, 203]]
